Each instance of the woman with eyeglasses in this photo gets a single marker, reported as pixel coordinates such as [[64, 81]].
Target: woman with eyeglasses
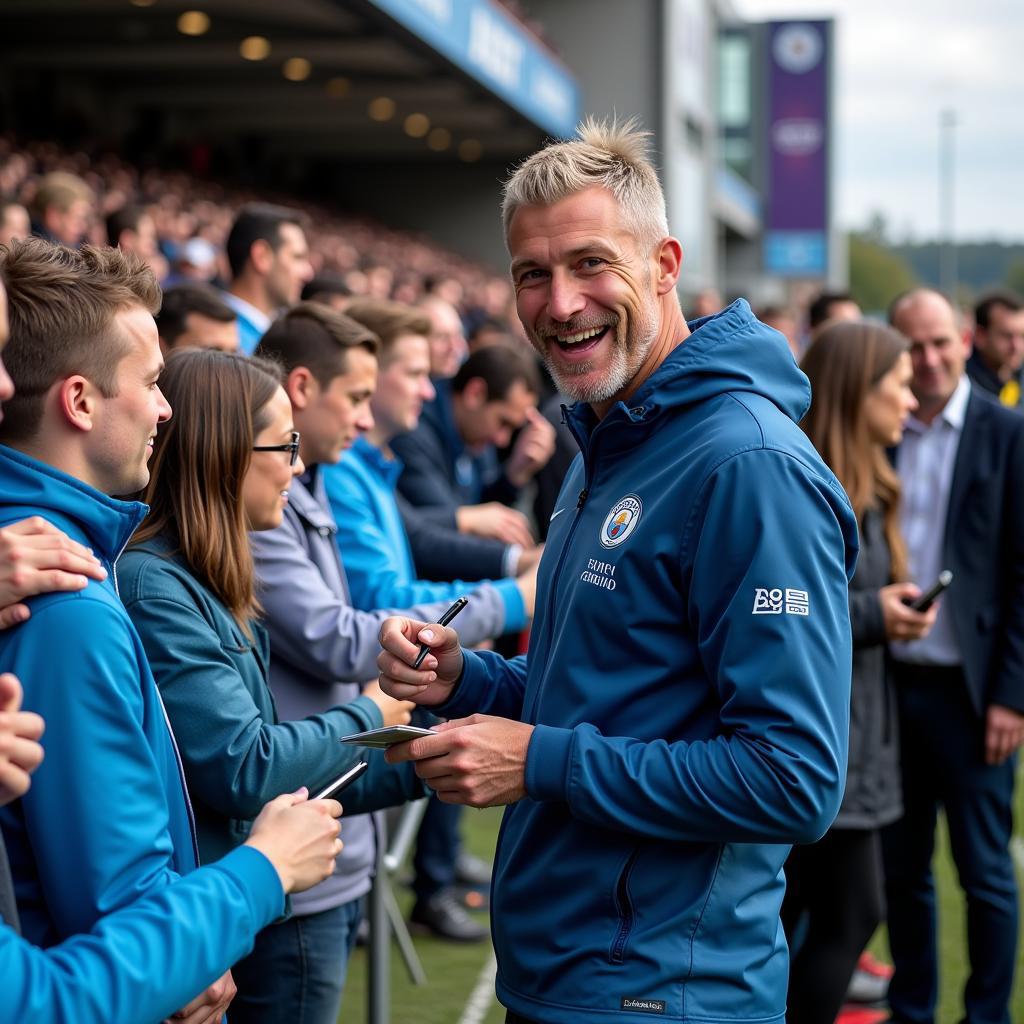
[[222, 466], [860, 384]]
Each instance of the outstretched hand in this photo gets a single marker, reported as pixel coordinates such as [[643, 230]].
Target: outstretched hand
[[479, 761]]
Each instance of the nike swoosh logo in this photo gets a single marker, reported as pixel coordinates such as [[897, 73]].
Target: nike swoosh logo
[[555, 515]]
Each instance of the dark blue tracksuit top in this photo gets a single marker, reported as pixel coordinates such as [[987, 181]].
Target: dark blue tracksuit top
[[689, 680]]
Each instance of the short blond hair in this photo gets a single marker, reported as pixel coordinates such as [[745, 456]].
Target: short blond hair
[[607, 154], [61, 189]]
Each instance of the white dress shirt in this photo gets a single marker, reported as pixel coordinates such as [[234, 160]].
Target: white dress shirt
[[925, 462]]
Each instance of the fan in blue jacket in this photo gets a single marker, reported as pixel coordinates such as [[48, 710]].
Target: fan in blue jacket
[[196, 926], [108, 819], [682, 714], [375, 546], [84, 670]]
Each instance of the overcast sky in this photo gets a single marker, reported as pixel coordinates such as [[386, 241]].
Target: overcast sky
[[899, 63]]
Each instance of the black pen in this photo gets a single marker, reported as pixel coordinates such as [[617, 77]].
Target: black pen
[[443, 621]]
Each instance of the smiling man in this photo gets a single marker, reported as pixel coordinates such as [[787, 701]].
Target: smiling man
[[681, 716], [960, 689]]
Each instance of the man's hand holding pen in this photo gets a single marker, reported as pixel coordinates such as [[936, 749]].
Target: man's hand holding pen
[[479, 761]]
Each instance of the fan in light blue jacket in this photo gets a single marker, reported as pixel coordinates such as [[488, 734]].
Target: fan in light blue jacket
[[107, 819], [144, 961], [374, 545]]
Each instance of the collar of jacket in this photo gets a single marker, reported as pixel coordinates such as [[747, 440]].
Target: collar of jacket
[[388, 468], [730, 352], [980, 372], [439, 415], [312, 506], [31, 487]]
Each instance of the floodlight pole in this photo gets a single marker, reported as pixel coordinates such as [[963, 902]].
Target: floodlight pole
[[947, 194]]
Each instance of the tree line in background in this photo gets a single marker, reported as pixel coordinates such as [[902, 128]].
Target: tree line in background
[[880, 269]]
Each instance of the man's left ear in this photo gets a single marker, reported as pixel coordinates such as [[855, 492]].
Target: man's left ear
[[670, 261], [474, 393], [301, 387]]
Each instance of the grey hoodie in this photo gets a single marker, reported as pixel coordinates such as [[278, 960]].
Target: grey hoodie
[[322, 649]]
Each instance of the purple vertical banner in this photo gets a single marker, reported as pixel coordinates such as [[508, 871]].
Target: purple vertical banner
[[799, 95]]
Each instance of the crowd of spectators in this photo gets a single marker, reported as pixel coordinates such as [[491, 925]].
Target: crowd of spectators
[[180, 223], [415, 450]]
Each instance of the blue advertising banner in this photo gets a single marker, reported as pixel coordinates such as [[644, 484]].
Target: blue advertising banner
[[482, 40], [798, 101]]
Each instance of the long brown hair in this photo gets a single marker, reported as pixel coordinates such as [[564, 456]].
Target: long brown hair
[[199, 462], [845, 361]]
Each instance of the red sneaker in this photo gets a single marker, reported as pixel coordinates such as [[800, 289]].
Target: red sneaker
[[861, 1015], [872, 965]]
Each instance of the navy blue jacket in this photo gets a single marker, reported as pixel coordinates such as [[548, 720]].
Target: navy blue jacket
[[438, 477], [984, 547], [689, 682]]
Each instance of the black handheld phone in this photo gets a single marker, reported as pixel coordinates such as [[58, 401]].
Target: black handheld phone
[[927, 599], [331, 791]]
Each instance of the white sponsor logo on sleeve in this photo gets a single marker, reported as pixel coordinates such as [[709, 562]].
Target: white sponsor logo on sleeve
[[780, 601]]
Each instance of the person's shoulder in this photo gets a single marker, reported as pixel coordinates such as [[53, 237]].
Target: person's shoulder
[[751, 439], [982, 403], [64, 621], [93, 599], [740, 422], [143, 573], [427, 434]]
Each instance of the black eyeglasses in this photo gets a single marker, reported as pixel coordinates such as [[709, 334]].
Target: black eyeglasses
[[292, 447]]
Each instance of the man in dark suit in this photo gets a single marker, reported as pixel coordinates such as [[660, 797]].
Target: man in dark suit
[[961, 688], [451, 469]]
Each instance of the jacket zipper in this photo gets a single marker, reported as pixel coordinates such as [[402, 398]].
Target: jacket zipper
[[587, 450], [553, 589], [170, 731]]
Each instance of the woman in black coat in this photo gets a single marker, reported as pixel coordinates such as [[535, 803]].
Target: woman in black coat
[[860, 381]]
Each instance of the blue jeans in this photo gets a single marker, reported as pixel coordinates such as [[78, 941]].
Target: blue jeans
[[437, 847], [296, 971], [942, 763]]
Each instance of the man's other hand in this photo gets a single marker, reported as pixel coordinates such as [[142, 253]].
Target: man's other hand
[[479, 761], [1004, 733], [532, 451], [20, 750]]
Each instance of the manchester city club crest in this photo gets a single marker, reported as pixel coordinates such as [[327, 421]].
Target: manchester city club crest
[[621, 521]]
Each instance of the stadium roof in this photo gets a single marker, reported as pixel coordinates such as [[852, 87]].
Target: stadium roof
[[359, 80]]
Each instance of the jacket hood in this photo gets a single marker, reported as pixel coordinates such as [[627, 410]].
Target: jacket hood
[[31, 487], [727, 352]]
